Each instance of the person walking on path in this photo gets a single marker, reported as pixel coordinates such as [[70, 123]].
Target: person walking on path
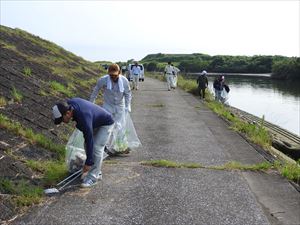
[[96, 125], [117, 101], [176, 71], [136, 72], [202, 82], [169, 73]]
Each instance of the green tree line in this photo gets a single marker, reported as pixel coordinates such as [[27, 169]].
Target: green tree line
[[280, 67]]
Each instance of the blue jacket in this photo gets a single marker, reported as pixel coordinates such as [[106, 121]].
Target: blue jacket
[[89, 116]]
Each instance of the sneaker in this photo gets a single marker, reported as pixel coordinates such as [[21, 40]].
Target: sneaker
[[109, 152], [87, 183]]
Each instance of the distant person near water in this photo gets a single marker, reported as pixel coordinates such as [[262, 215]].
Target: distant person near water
[[202, 82], [221, 89]]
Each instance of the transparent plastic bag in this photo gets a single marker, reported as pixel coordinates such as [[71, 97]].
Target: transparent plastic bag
[[75, 152], [123, 135], [224, 96], [132, 138]]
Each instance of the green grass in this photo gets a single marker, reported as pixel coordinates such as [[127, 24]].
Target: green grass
[[170, 164], [60, 88], [238, 166], [17, 95], [43, 93], [289, 170], [24, 194], [3, 102], [55, 171], [228, 166], [27, 71], [40, 139], [86, 83]]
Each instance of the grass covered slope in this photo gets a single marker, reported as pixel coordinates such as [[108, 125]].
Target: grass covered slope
[[34, 75]]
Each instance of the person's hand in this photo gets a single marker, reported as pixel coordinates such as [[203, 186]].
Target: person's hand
[[86, 169]]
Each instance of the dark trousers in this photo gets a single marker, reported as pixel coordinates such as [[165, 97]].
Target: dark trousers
[[202, 92]]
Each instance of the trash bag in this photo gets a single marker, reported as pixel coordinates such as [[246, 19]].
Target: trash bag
[[123, 135], [224, 96], [75, 152], [132, 138]]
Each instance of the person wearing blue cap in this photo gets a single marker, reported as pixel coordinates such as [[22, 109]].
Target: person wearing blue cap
[[96, 124]]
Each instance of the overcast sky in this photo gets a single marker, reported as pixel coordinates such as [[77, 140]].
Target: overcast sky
[[122, 30]]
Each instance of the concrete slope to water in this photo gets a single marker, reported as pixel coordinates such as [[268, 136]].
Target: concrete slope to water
[[174, 125]]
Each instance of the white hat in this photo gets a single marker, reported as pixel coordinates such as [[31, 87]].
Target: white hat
[[58, 111], [204, 72]]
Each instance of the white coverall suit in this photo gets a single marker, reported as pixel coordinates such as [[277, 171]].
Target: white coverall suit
[[117, 101], [169, 70]]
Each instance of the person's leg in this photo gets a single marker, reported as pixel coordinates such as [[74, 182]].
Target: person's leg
[[203, 93], [100, 138], [137, 82], [133, 82], [218, 95], [169, 82]]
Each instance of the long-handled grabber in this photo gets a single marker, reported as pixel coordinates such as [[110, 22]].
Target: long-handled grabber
[[63, 183]]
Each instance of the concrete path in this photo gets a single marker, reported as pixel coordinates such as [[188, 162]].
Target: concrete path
[[175, 125]]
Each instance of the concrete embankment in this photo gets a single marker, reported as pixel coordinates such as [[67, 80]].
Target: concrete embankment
[[283, 140]]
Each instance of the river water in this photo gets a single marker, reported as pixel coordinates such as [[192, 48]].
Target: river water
[[278, 101]]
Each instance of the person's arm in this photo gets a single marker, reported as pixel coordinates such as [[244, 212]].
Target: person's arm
[[96, 90], [206, 81], [85, 125], [127, 95]]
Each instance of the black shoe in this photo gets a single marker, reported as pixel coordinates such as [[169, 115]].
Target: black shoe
[[108, 152]]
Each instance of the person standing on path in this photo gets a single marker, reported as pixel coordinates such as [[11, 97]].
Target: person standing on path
[[136, 72], [202, 82], [117, 100], [218, 87], [169, 73], [176, 71], [96, 125]]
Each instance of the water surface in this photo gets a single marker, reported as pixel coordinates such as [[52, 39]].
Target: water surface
[[277, 100]]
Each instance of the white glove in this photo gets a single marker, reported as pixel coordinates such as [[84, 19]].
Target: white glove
[[127, 109]]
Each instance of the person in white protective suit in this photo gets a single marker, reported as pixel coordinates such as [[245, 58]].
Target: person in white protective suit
[[117, 100], [169, 73], [136, 72], [176, 71]]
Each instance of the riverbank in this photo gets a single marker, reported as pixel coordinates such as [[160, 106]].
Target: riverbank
[[232, 74], [282, 140]]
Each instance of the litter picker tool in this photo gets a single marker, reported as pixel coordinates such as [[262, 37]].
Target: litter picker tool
[[63, 183]]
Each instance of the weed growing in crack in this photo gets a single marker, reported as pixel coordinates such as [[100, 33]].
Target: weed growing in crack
[[17, 95], [27, 71], [3, 102]]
